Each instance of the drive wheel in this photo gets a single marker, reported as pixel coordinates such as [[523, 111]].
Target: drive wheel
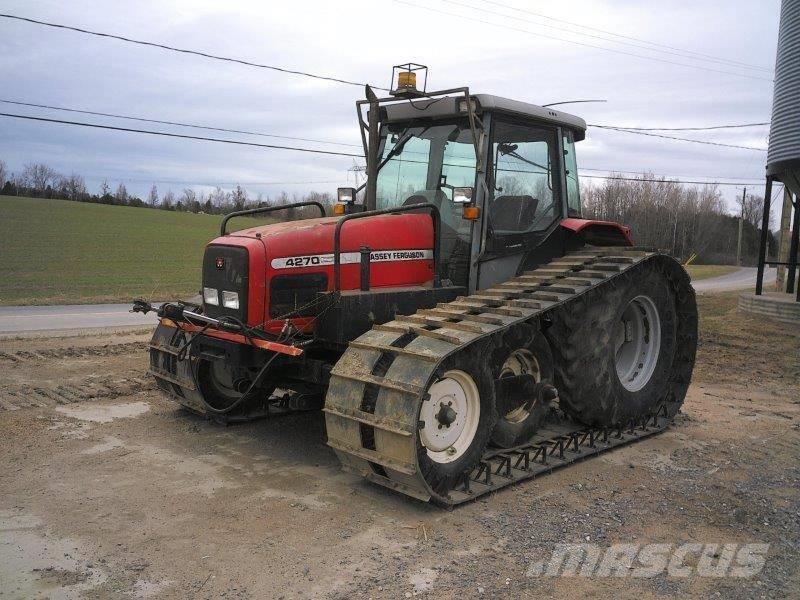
[[615, 352], [455, 420], [524, 352]]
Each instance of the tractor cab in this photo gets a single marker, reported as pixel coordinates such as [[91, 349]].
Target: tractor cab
[[501, 173]]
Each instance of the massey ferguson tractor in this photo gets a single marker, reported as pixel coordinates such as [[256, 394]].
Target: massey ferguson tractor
[[459, 323]]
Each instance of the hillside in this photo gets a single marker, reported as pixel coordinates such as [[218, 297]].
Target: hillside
[[57, 252]]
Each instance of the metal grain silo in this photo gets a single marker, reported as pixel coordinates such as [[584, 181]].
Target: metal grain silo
[[783, 156]]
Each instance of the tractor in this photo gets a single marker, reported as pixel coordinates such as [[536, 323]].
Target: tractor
[[460, 324]]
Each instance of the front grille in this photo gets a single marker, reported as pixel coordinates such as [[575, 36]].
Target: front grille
[[225, 268], [295, 295]]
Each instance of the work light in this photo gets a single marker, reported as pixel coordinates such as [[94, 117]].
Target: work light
[[210, 296], [230, 299]]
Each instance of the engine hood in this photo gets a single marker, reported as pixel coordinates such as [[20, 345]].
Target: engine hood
[[313, 237]]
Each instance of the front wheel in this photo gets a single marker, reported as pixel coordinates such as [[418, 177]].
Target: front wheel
[[455, 420]]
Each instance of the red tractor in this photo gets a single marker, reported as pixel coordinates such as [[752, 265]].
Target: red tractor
[[460, 324]]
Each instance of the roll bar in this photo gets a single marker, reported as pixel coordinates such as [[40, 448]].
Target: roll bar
[[266, 209], [337, 235]]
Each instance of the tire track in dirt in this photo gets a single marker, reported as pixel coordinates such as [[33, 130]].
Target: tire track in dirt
[[15, 397], [73, 352]]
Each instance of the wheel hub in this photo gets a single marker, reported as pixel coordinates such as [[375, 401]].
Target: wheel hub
[[637, 343], [446, 415], [449, 416], [520, 362]]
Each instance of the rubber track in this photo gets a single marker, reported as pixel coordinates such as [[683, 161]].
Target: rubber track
[[378, 385]]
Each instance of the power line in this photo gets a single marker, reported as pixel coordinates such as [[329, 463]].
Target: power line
[[311, 150], [206, 127], [666, 179], [187, 51], [584, 44], [205, 183], [702, 128], [303, 139], [652, 171], [627, 37], [180, 135], [680, 139]]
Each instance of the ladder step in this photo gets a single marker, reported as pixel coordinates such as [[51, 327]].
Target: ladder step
[[367, 418]]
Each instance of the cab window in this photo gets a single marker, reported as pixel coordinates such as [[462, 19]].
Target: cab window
[[571, 165], [524, 194]]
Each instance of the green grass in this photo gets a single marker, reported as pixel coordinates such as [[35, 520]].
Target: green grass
[[698, 272], [60, 252]]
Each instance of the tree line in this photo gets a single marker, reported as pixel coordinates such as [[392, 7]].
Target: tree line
[[38, 180], [664, 214], [683, 220]]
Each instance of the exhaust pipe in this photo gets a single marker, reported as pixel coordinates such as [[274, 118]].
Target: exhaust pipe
[[373, 122]]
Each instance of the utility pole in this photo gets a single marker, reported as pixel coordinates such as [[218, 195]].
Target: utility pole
[[741, 222]]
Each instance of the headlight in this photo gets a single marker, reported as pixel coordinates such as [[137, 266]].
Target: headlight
[[230, 299], [210, 296]]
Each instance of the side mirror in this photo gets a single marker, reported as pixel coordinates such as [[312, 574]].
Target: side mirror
[[462, 195]]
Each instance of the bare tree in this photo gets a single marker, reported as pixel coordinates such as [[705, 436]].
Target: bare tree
[[121, 196], [168, 201], [3, 173], [152, 197], [218, 198], [105, 191], [38, 176], [239, 198], [72, 187]]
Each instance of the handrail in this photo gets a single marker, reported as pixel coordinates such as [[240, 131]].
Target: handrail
[[337, 234], [265, 209]]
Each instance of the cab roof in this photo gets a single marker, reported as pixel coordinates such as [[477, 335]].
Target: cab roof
[[454, 105]]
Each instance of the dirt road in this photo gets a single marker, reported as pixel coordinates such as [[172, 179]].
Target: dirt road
[[107, 490]]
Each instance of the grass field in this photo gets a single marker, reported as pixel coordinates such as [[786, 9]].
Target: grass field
[[698, 272], [58, 252]]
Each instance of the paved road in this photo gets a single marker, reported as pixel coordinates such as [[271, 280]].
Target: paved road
[[18, 319], [742, 279]]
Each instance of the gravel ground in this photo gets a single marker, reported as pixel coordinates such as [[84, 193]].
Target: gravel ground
[[107, 490]]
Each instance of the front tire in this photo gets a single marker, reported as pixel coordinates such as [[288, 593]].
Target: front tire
[[455, 421]]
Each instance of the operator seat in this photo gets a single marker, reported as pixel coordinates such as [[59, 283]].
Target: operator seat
[[513, 213]]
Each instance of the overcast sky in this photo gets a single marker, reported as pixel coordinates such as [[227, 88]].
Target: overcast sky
[[514, 56]]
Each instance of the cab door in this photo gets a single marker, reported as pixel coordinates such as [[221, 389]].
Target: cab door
[[524, 200]]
